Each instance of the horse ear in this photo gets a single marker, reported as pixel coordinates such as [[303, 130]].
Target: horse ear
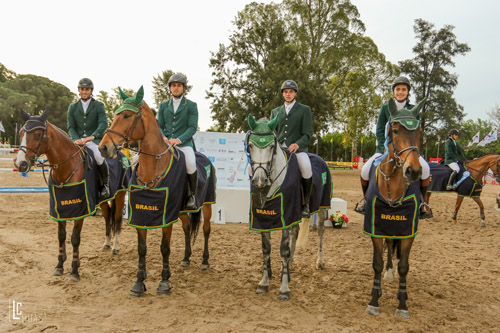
[[392, 107], [272, 124], [139, 96], [24, 114], [122, 94], [252, 122], [45, 114], [416, 109]]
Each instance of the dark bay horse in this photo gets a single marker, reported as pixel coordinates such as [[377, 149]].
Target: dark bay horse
[[269, 166], [67, 162], [135, 121], [477, 169], [393, 178]]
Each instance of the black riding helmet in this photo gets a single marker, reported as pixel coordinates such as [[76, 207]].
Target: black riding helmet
[[85, 83], [290, 84], [178, 77], [401, 80], [452, 132]]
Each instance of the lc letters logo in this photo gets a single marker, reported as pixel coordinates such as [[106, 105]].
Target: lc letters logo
[[15, 311]]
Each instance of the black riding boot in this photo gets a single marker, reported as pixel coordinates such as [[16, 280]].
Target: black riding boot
[[361, 209], [103, 171], [424, 214], [307, 188], [450, 186], [191, 195]]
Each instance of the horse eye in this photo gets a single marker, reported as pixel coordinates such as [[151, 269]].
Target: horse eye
[[38, 135], [126, 115], [395, 131]]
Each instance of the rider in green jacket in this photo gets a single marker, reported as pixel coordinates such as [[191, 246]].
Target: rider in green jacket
[[454, 153]]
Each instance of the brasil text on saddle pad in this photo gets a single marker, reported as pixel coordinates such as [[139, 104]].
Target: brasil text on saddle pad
[[384, 221], [159, 207], [283, 209]]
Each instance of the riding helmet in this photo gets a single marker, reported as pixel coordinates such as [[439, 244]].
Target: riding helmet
[[401, 80], [85, 83], [452, 132], [178, 77], [290, 84]]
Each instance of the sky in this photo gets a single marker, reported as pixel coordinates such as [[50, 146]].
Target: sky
[[126, 43]]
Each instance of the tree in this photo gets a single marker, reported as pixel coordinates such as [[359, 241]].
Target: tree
[[160, 87], [494, 115], [112, 101], [434, 53]]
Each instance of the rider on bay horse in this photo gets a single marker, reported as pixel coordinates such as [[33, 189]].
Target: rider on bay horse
[[178, 121], [401, 93], [87, 123], [294, 131], [454, 154]]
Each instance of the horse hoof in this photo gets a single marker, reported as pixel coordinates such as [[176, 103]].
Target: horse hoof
[[135, 294], [116, 252], [106, 247], [284, 296], [320, 265], [373, 310], [388, 276], [74, 277], [483, 224], [164, 288], [185, 264], [138, 289], [205, 267], [58, 272], [261, 290], [402, 313]]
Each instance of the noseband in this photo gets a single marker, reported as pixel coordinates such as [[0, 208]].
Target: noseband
[[43, 127]]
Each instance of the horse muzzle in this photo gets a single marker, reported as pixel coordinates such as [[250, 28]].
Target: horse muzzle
[[411, 173], [23, 166], [108, 151]]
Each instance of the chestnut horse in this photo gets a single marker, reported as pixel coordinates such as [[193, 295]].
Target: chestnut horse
[[39, 136], [477, 169], [396, 171], [154, 155]]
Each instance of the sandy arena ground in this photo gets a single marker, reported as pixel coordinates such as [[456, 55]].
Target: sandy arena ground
[[453, 283]]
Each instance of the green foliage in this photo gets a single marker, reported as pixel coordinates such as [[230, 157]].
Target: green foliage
[[160, 87], [33, 94], [434, 53]]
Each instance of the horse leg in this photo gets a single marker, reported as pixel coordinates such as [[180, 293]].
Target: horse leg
[[481, 211], [403, 268], [139, 287], [106, 214], [61, 258], [322, 216], [165, 284], [186, 226], [263, 286], [207, 215], [457, 207], [284, 293], [75, 241], [378, 265], [293, 240], [117, 217], [388, 243]]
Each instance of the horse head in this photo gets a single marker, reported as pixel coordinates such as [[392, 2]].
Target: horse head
[[34, 140], [124, 129], [404, 133], [261, 145]]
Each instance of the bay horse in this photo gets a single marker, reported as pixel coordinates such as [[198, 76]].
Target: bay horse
[[135, 121], [67, 163], [269, 168], [477, 169], [398, 172]]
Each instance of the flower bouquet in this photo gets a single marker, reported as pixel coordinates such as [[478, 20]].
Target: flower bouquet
[[338, 219]]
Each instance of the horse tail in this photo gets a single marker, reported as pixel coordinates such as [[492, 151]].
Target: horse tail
[[303, 232], [194, 220], [116, 223]]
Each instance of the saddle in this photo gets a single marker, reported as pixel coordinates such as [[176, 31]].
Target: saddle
[[465, 184]]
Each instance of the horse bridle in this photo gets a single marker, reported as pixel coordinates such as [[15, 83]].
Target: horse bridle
[[256, 165], [36, 152]]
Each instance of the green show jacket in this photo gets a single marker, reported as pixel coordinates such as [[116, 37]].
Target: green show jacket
[[296, 127], [453, 152], [182, 124], [91, 123]]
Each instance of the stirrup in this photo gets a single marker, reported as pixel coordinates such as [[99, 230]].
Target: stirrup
[[425, 214], [305, 211], [192, 205], [360, 209], [105, 193]]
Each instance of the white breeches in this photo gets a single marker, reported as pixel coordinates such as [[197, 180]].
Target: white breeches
[[95, 149], [304, 165], [190, 159], [365, 171], [454, 166]]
